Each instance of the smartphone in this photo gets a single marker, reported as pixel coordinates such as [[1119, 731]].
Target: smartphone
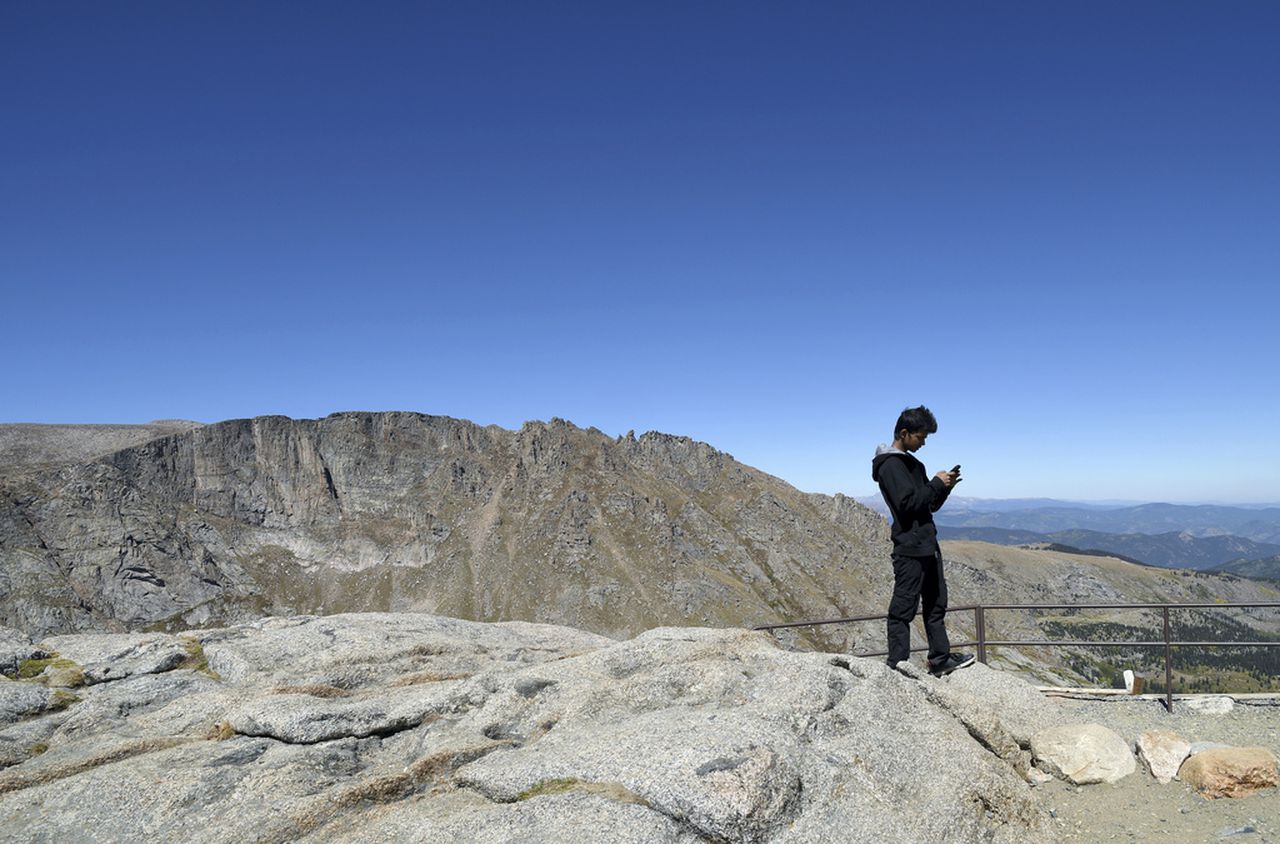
[[956, 470]]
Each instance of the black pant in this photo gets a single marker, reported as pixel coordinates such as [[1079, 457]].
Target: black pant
[[915, 578]]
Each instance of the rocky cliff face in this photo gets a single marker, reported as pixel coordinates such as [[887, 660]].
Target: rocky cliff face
[[400, 511]]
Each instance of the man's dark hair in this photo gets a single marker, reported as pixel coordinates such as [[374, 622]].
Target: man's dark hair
[[915, 420]]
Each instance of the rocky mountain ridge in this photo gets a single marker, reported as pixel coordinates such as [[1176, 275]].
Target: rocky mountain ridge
[[25, 446], [404, 511]]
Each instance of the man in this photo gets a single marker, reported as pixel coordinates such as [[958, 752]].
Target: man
[[917, 560]]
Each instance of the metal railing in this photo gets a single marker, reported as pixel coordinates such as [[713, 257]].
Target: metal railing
[[982, 642]]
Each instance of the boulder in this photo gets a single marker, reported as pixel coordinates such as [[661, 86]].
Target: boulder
[[1209, 704], [1083, 753], [1163, 752], [1230, 771]]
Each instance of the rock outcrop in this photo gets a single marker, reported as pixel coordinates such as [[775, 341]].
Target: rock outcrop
[[375, 727]]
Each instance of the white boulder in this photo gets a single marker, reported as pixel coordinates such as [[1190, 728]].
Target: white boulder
[[1163, 752], [1083, 753]]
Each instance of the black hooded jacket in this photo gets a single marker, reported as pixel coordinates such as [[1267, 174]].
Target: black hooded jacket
[[912, 497]]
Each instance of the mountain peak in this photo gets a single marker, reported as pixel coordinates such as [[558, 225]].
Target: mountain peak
[[388, 510]]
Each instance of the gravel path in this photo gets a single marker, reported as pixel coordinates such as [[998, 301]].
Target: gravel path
[[1138, 808]]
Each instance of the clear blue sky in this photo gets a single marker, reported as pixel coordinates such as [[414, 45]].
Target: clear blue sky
[[766, 226]]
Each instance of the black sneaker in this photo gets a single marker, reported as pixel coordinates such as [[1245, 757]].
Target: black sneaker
[[949, 663]]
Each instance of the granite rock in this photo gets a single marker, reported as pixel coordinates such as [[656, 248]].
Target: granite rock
[[378, 727], [1230, 771], [16, 648], [1209, 704], [1163, 752], [21, 700], [114, 656], [1083, 753]]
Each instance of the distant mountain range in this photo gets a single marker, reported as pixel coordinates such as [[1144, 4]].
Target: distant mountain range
[[1169, 550], [1202, 536], [1000, 505], [964, 504], [1200, 520]]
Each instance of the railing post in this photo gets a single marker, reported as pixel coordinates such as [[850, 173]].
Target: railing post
[[1168, 665], [980, 628]]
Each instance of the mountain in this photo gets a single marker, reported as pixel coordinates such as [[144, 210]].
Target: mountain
[[1171, 550], [963, 505], [1203, 520], [401, 511], [998, 536], [229, 522], [1267, 567], [987, 573]]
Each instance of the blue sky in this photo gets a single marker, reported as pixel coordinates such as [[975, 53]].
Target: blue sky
[[766, 226]]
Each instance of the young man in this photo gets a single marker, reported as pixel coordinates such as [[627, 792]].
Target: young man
[[917, 560]]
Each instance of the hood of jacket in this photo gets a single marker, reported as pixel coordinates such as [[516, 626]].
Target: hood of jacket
[[883, 452]]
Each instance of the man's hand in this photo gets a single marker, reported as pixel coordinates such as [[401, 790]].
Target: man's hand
[[948, 479]]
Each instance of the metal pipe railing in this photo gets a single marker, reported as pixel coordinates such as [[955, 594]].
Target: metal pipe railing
[[1166, 642]]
